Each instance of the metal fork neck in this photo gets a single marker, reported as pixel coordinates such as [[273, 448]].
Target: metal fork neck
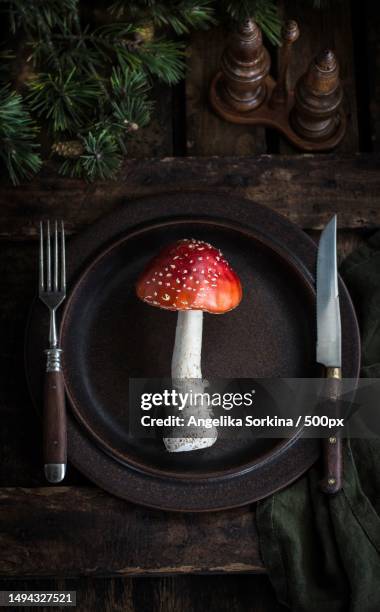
[[53, 340]]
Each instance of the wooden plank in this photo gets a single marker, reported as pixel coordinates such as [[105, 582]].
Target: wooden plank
[[307, 189], [74, 531], [251, 593], [207, 134], [371, 64], [156, 139], [329, 27]]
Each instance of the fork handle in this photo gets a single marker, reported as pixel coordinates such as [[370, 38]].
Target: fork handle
[[54, 419]]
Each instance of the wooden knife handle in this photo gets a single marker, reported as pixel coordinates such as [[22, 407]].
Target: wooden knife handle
[[332, 446], [54, 420]]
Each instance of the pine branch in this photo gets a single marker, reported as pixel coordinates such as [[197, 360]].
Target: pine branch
[[117, 44], [36, 17], [162, 59], [17, 137], [64, 100], [131, 106], [97, 154], [181, 15], [100, 159]]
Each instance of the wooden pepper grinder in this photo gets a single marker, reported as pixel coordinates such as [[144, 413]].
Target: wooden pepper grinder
[[245, 65], [318, 96]]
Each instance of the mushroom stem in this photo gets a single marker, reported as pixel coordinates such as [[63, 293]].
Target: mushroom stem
[[186, 360], [187, 375]]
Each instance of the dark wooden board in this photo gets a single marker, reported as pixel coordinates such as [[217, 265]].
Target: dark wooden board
[[156, 139], [370, 66], [307, 189], [72, 531], [251, 593]]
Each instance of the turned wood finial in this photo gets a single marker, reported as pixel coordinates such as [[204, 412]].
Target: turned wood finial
[[280, 94], [245, 65], [318, 96]]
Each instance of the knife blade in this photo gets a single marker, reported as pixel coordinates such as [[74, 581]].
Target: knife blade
[[329, 348], [329, 332]]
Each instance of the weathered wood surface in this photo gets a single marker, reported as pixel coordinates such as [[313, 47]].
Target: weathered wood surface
[[370, 66], [156, 140], [307, 189], [236, 593], [71, 531]]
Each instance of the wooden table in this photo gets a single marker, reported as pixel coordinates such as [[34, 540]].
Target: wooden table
[[77, 536]]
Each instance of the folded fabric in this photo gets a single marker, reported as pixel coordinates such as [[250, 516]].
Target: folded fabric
[[322, 552]]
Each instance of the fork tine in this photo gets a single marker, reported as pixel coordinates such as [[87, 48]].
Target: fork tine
[[55, 256], [48, 259], [63, 258], [41, 258]]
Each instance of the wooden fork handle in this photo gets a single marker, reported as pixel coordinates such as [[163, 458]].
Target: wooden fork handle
[[54, 419], [332, 446]]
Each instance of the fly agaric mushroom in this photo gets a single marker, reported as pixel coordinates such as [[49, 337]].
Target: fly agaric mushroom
[[191, 277]]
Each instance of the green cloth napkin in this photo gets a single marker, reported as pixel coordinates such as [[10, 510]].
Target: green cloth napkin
[[322, 552]]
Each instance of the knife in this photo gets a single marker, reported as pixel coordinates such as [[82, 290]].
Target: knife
[[329, 348]]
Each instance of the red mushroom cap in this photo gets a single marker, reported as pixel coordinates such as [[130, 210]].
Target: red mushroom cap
[[190, 275]]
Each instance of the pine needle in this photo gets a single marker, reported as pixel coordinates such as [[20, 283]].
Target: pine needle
[[100, 160], [18, 144], [64, 100]]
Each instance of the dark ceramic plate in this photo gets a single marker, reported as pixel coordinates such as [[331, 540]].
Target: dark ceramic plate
[[109, 336]]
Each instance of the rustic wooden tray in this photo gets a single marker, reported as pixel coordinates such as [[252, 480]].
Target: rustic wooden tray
[[271, 334]]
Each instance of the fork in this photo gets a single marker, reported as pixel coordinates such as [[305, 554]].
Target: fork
[[52, 292]]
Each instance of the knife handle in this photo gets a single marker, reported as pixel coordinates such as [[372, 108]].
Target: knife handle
[[332, 446], [54, 419]]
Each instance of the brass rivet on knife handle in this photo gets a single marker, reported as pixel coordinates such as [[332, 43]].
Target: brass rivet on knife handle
[[332, 446]]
